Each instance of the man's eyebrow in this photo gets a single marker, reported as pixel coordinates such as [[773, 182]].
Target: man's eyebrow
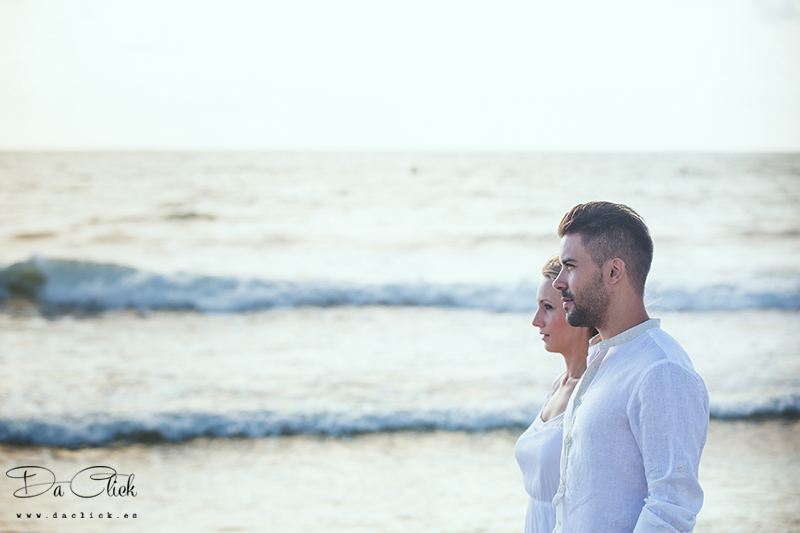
[[567, 260]]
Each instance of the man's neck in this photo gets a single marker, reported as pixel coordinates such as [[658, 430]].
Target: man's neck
[[623, 318]]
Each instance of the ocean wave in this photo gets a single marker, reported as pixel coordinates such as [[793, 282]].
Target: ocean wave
[[98, 430], [101, 429], [99, 286], [787, 407]]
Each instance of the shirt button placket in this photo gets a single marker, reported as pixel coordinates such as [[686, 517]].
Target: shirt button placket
[[568, 430]]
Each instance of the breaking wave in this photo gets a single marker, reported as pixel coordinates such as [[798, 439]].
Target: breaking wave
[[100, 286], [104, 429]]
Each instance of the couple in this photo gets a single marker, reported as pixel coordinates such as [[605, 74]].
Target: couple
[[617, 444]]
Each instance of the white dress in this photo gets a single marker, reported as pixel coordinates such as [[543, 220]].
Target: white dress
[[538, 452]]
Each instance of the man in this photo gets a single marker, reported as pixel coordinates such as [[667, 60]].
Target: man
[[636, 424]]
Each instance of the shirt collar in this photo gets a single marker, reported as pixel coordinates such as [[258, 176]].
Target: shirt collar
[[631, 333]]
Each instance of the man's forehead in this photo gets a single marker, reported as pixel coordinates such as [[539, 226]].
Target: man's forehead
[[571, 247]]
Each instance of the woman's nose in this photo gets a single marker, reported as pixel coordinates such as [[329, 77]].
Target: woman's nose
[[537, 320]]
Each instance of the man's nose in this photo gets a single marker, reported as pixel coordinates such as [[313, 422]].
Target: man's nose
[[559, 283]]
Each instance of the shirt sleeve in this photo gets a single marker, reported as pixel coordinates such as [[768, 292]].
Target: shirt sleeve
[[668, 414]]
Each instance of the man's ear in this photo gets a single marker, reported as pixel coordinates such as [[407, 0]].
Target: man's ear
[[615, 270]]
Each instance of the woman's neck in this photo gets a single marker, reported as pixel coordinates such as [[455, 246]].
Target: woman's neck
[[576, 362]]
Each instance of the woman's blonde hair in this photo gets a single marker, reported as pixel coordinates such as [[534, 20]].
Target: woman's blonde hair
[[552, 268]]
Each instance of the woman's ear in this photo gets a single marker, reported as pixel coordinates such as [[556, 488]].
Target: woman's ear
[[615, 270]]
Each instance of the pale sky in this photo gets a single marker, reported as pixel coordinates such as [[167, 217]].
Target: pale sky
[[535, 75]]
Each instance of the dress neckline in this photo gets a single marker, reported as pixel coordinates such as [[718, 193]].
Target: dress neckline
[[557, 420]]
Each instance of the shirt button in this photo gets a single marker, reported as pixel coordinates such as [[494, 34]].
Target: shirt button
[[577, 403], [567, 440], [680, 467], [562, 480]]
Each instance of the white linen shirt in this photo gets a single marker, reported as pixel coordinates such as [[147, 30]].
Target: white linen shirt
[[633, 433]]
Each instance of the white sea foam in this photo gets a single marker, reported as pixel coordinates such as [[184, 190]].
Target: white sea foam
[[783, 407], [101, 429], [86, 285], [77, 284]]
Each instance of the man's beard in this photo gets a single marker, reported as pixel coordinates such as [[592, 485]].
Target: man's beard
[[593, 308]]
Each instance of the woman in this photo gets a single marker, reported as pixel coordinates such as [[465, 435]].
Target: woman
[[538, 450]]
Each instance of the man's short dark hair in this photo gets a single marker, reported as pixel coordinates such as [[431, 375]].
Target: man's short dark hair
[[611, 230]]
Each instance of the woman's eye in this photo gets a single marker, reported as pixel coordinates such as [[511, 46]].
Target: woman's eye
[[548, 306]]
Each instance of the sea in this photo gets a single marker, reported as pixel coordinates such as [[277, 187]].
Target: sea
[[342, 342]]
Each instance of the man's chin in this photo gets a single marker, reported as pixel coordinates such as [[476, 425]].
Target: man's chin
[[576, 319]]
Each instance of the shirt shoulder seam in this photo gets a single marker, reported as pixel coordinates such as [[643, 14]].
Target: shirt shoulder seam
[[661, 360]]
